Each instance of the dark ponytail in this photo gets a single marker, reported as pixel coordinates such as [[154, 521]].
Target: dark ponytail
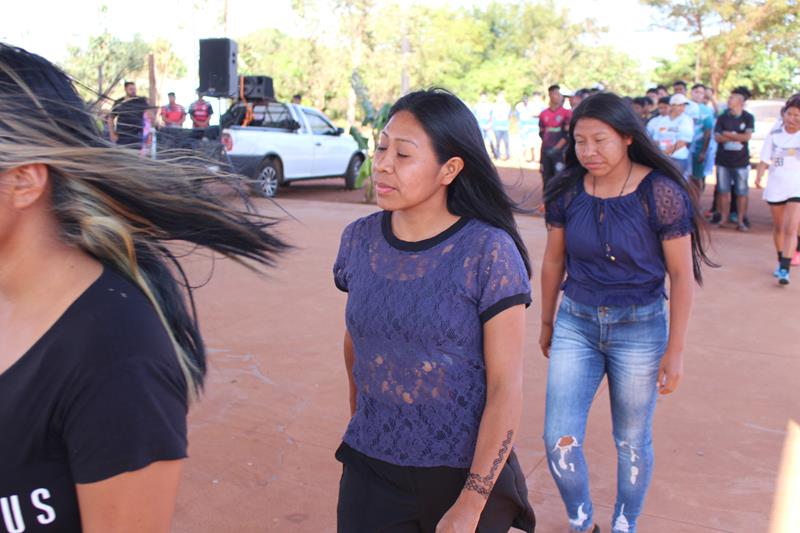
[[477, 192], [612, 110]]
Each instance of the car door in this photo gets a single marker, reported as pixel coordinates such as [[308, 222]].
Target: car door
[[331, 154], [296, 148]]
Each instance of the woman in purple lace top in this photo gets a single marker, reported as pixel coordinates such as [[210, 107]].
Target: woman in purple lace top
[[437, 286], [620, 218]]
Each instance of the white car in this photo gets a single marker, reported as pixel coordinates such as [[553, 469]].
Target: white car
[[281, 143]]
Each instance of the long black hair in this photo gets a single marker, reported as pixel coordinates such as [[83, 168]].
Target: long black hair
[[616, 113], [126, 211], [477, 191]]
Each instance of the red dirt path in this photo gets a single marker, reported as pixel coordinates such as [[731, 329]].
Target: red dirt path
[[263, 436]]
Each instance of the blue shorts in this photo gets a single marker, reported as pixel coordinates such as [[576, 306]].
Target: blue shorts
[[736, 176]]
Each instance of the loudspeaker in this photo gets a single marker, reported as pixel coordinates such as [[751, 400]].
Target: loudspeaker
[[219, 75], [258, 88]]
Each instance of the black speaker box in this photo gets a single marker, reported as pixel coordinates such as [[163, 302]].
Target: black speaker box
[[219, 74], [258, 88]]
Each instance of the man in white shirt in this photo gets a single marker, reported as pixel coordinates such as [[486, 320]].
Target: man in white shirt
[[674, 132]]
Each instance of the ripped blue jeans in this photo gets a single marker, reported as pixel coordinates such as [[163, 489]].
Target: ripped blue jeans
[[625, 343]]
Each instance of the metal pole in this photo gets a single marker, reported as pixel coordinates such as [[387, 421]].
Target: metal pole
[[151, 67], [225, 18], [99, 79]]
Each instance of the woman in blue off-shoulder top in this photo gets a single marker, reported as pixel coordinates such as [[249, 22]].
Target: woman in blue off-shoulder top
[[437, 286], [620, 218]]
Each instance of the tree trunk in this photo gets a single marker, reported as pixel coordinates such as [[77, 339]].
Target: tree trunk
[[100, 79], [151, 69]]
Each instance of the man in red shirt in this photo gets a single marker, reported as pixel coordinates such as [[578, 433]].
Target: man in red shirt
[[173, 113], [553, 129], [201, 112]]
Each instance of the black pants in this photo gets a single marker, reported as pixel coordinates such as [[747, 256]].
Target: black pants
[[129, 141], [379, 497], [550, 159]]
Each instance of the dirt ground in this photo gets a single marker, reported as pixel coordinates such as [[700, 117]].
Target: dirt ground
[[262, 438]]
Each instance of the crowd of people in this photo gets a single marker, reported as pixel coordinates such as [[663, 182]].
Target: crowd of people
[[101, 354], [697, 132], [132, 121]]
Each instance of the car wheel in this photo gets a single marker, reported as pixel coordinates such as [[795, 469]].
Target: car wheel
[[351, 175], [268, 178]]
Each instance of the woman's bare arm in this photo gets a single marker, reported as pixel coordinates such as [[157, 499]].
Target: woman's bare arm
[[142, 501], [678, 255], [553, 268], [504, 336]]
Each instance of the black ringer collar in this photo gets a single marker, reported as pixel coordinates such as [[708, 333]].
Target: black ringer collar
[[418, 246]]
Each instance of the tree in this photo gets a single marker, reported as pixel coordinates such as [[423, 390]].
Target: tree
[[297, 66], [354, 18], [731, 34], [168, 65], [517, 46], [104, 63]]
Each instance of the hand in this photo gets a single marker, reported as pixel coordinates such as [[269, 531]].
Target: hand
[[545, 339], [670, 371], [460, 518], [701, 157], [114, 137], [758, 183]]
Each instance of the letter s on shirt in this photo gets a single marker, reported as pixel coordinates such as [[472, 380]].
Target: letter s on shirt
[[49, 514]]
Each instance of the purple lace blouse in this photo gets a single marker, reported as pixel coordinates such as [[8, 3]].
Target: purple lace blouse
[[614, 251], [415, 312]]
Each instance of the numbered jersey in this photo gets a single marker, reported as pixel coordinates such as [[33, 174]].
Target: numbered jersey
[[781, 150]]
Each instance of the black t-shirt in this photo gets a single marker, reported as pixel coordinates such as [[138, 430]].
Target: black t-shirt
[[130, 117], [734, 154], [99, 394]]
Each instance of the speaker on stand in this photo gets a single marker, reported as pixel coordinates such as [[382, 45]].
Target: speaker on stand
[[219, 73]]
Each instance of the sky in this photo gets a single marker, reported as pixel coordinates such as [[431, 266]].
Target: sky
[[183, 22]]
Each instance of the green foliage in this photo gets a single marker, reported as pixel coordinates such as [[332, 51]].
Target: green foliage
[[518, 46], [298, 66], [767, 74], [364, 174], [106, 61], [168, 64], [771, 75], [744, 42]]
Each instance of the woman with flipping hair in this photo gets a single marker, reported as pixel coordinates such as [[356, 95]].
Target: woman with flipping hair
[[100, 351], [437, 285], [620, 218]]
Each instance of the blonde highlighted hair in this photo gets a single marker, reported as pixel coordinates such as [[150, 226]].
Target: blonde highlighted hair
[[120, 208]]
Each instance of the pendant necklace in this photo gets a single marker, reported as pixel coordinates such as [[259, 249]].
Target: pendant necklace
[[601, 215]]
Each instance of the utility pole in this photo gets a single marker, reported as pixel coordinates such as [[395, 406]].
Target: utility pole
[[405, 48], [151, 68], [225, 18], [697, 66], [404, 79]]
